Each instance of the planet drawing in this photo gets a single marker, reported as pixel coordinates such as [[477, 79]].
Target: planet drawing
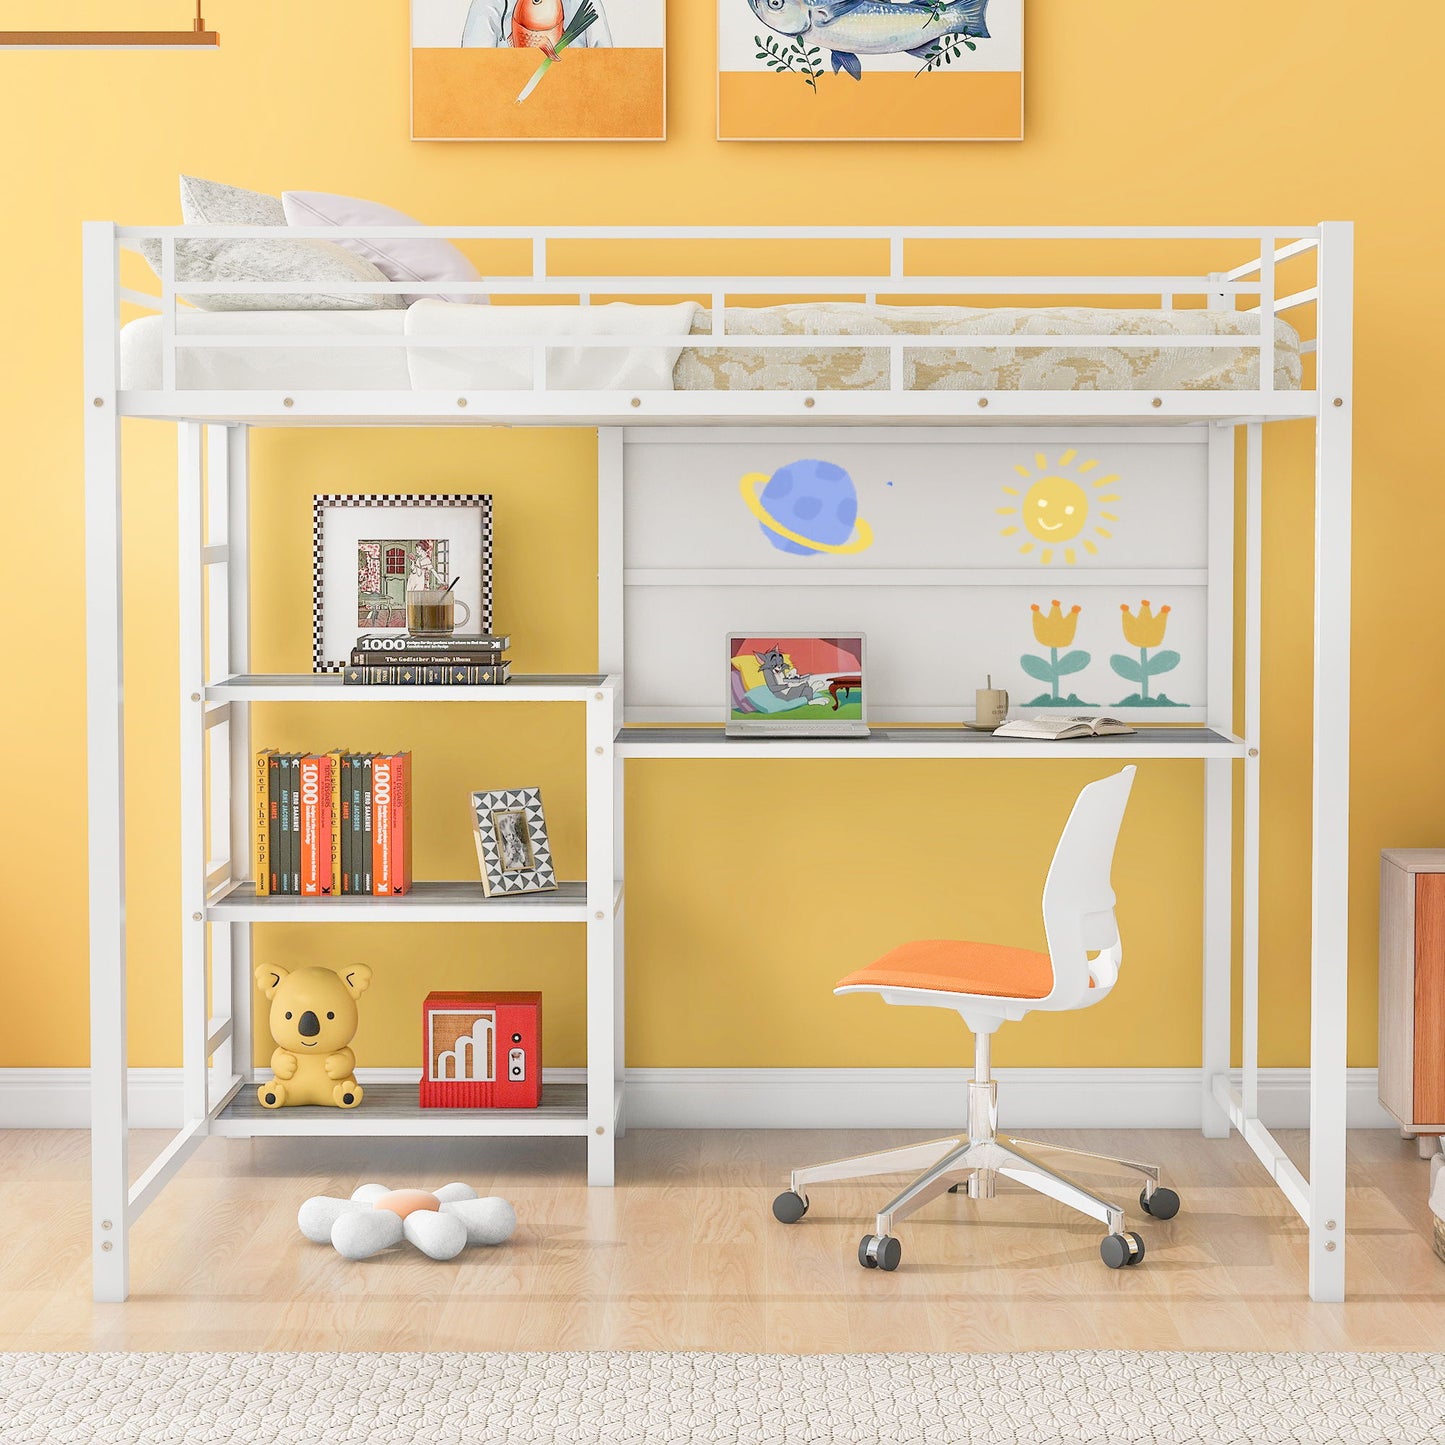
[[808, 507]]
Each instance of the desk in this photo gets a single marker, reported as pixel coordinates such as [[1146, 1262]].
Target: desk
[[930, 742]]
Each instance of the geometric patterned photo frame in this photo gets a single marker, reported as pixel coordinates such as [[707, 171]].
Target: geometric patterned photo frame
[[512, 846], [356, 537]]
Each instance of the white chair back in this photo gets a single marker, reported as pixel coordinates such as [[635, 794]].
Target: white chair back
[[1078, 898]]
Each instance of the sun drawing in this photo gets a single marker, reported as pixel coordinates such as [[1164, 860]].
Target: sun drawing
[[1056, 509]]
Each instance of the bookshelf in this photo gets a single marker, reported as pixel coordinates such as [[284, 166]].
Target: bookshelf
[[219, 916], [220, 910]]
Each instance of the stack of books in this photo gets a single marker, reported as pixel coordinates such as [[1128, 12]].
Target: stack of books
[[332, 823], [397, 659]]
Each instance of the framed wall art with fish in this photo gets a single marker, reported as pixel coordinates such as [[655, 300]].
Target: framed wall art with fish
[[870, 70], [538, 70]]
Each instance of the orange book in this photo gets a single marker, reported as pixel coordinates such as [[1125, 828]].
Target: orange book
[[401, 823], [381, 806], [325, 870], [315, 854]]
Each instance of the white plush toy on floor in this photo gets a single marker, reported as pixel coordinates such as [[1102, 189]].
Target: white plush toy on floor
[[375, 1218]]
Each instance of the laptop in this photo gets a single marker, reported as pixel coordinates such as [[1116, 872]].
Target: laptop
[[786, 685]]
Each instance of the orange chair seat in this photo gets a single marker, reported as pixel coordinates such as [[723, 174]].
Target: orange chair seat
[[949, 965]]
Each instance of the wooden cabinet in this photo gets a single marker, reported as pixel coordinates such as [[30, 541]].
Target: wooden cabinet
[[1412, 987]]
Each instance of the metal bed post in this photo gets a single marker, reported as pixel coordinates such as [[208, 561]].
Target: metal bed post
[[605, 1089], [227, 796], [1249, 908], [238, 617], [105, 767], [602, 1091], [190, 482], [1330, 858], [1218, 788], [610, 558], [619, 927], [611, 630]]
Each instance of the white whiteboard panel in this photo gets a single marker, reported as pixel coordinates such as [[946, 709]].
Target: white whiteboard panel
[[933, 503], [940, 568]]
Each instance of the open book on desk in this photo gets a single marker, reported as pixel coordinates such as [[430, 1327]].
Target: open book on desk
[[1057, 729]]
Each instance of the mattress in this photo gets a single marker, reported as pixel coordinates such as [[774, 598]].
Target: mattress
[[1017, 367]]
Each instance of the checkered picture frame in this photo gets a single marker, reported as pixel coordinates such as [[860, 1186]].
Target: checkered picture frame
[[323, 502], [541, 877]]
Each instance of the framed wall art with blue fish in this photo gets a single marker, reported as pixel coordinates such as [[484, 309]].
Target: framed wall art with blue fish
[[870, 70]]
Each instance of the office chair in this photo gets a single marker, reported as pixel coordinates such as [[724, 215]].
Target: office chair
[[988, 985]]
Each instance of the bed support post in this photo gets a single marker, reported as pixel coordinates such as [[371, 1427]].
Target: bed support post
[[105, 768], [237, 454], [1215, 1044], [1330, 857], [611, 442]]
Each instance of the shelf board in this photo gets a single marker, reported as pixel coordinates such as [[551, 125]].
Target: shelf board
[[305, 687], [428, 902], [927, 742], [392, 1109]]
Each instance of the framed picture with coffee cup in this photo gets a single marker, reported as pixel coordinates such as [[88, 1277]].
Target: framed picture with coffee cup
[[378, 558], [512, 847]]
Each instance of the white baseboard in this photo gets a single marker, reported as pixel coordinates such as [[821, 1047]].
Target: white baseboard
[[934, 1098], [790, 1098]]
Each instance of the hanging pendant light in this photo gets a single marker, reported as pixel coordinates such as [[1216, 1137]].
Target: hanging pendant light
[[196, 37]]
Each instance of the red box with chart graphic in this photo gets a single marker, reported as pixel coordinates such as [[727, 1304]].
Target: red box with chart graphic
[[481, 1051]]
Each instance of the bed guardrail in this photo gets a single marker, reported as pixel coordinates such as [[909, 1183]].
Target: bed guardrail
[[1248, 288]]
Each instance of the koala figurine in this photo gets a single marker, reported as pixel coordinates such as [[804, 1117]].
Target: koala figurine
[[313, 1020]]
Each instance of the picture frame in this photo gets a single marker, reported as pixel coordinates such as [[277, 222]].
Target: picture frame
[[843, 78], [480, 72], [510, 828], [366, 548]]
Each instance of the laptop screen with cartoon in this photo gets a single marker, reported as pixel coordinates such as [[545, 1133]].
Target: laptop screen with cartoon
[[784, 685]]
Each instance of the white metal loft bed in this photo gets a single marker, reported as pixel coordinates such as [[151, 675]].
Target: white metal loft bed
[[217, 688]]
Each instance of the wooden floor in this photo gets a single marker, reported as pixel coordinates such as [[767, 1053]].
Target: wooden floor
[[685, 1254]]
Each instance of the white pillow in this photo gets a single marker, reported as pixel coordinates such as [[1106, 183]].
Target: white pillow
[[209, 203], [399, 258]]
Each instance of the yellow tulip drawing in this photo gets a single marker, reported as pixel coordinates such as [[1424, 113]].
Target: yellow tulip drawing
[[1144, 630], [1055, 629]]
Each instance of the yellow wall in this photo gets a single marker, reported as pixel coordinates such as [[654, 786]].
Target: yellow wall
[[1138, 111]]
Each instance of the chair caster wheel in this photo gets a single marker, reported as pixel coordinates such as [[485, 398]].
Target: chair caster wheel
[[789, 1208], [1163, 1204], [879, 1251], [1121, 1250]]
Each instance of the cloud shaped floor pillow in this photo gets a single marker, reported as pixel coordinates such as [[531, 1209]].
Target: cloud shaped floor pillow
[[421, 259], [318, 263]]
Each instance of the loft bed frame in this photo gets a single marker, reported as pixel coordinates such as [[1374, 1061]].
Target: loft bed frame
[[217, 908]]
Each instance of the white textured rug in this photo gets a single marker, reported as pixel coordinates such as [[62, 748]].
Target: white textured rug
[[393, 1399]]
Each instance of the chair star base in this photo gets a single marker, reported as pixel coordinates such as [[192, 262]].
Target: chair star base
[[972, 1163]]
